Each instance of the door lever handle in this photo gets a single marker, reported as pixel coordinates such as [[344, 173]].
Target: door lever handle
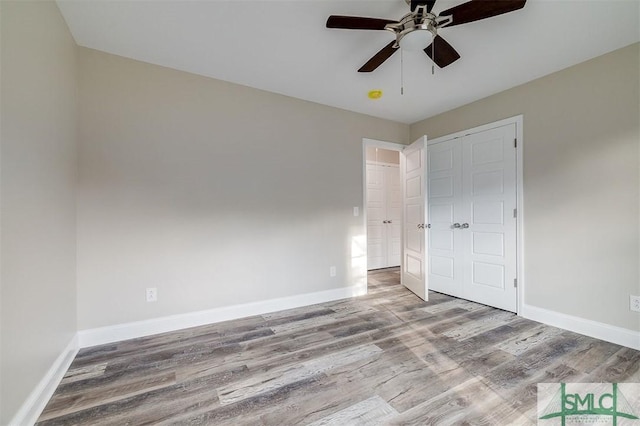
[[464, 226], [457, 225]]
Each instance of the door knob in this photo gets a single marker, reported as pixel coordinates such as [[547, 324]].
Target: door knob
[[389, 221], [465, 225], [457, 225], [421, 226]]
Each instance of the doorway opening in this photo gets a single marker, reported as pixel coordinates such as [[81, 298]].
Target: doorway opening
[[383, 208], [382, 204]]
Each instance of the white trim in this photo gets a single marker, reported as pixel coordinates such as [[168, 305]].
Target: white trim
[[132, 330], [39, 397], [391, 146], [382, 163], [518, 121], [598, 330], [520, 210]]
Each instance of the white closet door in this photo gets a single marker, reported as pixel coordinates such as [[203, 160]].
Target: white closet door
[[394, 215], [489, 198], [445, 200], [471, 203], [376, 212]]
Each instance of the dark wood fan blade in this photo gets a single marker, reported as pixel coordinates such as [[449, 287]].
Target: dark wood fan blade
[[475, 10], [443, 53], [357, 22], [377, 59], [416, 3]]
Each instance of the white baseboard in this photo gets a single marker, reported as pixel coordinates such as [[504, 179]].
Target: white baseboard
[[598, 330], [132, 330], [38, 398]]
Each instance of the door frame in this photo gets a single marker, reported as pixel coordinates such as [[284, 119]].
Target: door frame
[[518, 121], [366, 142]]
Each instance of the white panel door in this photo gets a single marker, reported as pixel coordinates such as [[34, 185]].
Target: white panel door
[[445, 199], [413, 175], [489, 198], [384, 216], [376, 232], [394, 215]]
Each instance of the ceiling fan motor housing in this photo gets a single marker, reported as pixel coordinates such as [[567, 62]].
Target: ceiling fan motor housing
[[415, 31]]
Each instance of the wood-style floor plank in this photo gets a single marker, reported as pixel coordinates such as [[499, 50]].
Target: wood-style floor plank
[[283, 376], [374, 410], [383, 358]]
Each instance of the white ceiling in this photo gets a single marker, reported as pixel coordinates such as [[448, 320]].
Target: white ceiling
[[284, 47]]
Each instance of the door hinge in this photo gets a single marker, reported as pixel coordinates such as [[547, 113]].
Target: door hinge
[[515, 282], [515, 212], [515, 142]]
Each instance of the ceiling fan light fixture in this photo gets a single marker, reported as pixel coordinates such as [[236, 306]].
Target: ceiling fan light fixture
[[416, 40], [417, 35]]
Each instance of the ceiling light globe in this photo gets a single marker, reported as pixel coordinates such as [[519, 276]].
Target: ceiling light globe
[[416, 40]]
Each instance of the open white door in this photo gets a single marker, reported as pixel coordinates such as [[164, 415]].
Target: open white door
[[414, 196]]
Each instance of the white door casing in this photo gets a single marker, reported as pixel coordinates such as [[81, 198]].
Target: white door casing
[[414, 191]]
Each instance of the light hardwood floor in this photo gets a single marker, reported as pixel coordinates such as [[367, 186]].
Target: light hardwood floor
[[384, 358]]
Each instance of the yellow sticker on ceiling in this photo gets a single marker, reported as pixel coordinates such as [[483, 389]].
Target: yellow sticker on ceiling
[[375, 94]]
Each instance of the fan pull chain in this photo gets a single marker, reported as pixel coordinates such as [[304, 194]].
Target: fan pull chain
[[433, 55], [401, 73]]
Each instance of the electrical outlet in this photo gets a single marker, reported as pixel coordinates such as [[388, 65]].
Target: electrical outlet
[[356, 211], [634, 303], [152, 294], [332, 271]]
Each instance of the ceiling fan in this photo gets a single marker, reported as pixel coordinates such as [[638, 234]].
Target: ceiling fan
[[418, 30]]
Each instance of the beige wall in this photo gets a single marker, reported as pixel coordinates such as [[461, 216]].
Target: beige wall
[[581, 183], [216, 194], [37, 187], [219, 194]]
